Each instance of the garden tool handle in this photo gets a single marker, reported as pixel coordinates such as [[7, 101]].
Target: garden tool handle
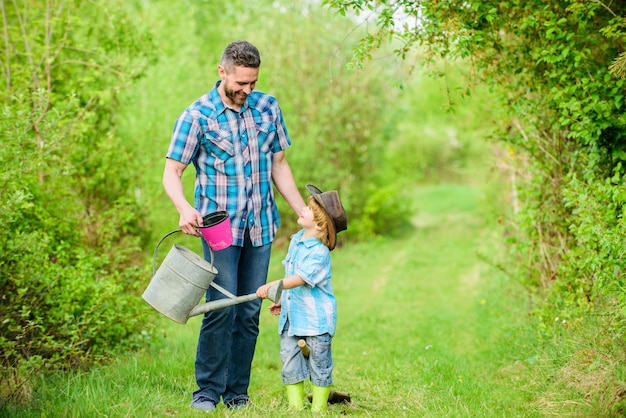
[[275, 295], [304, 348]]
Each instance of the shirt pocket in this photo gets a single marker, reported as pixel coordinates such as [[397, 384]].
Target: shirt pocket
[[219, 142], [288, 262], [266, 132]]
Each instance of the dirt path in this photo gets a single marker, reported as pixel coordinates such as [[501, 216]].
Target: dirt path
[[424, 322]]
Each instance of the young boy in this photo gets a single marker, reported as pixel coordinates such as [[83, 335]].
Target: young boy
[[308, 308]]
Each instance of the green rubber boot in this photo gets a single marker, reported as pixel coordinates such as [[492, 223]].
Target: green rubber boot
[[319, 404], [295, 396]]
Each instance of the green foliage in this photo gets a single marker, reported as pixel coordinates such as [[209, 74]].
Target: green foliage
[[557, 69], [71, 225], [549, 62], [340, 120], [385, 212], [594, 267]]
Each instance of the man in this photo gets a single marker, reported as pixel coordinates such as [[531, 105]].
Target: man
[[235, 137]]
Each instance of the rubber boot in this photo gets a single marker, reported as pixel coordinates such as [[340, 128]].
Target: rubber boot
[[319, 404], [295, 396]]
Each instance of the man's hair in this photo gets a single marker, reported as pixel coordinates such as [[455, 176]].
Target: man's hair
[[240, 54], [321, 219]]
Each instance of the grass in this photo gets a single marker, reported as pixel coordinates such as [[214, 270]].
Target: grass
[[426, 328]]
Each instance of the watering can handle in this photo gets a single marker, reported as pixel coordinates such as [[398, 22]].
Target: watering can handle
[[159, 243]]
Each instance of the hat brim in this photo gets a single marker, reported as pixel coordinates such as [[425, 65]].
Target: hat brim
[[332, 230], [313, 190]]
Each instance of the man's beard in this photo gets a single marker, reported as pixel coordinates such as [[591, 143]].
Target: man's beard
[[235, 97]]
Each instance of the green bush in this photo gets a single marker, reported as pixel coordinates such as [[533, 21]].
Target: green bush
[[72, 233], [592, 271]]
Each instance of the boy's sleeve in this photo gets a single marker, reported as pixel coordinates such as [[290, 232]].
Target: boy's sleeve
[[314, 268]]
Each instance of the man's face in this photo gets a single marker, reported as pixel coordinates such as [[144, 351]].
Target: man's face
[[237, 84]]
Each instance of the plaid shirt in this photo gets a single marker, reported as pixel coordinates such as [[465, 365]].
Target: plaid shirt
[[232, 153], [311, 309]]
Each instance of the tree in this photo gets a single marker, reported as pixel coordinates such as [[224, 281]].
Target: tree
[[557, 68]]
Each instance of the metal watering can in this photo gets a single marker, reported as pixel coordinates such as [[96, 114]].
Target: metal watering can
[[183, 279]]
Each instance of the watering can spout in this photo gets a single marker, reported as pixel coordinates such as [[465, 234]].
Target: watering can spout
[[274, 294]]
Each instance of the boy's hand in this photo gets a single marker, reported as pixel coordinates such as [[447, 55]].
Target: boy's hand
[[275, 308], [262, 291]]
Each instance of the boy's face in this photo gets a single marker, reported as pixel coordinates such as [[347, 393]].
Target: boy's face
[[306, 219]]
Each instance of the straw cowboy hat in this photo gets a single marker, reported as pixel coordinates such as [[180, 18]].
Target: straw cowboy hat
[[334, 210]]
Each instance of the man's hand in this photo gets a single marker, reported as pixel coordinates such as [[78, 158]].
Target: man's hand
[[190, 219]]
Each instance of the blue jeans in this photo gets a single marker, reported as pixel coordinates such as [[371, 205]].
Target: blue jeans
[[318, 367], [228, 336]]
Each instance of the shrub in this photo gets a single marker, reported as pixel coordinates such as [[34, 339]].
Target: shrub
[[71, 226]]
